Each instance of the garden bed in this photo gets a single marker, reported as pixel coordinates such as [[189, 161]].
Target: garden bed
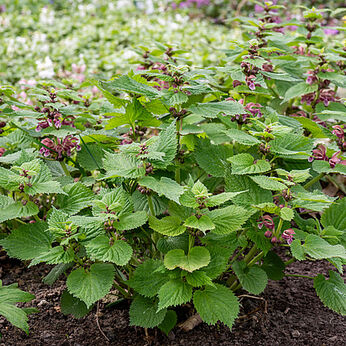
[[295, 316]]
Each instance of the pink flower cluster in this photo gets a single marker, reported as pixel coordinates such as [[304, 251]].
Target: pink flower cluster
[[340, 133], [58, 147], [288, 235], [320, 154]]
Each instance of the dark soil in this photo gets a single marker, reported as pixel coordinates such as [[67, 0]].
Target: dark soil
[[294, 316]]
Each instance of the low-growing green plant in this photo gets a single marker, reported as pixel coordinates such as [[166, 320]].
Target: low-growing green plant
[[180, 184]]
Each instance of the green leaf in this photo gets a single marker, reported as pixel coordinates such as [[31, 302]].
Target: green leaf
[[167, 144], [245, 164], [222, 198], [169, 225], [315, 129], [211, 158], [174, 292], [268, 183], [104, 249], [72, 305], [166, 244], [299, 90], [273, 266], [129, 85], [165, 186], [324, 167], [55, 273], [219, 257], [79, 197], [335, 215], [91, 285], [213, 109], [90, 156], [9, 296], [28, 241], [55, 255], [253, 279], [292, 146], [130, 221], [203, 223], [144, 313], [169, 322], [198, 279], [120, 165], [228, 219], [9, 209], [172, 98], [332, 292], [254, 195], [148, 278], [216, 304], [259, 239], [287, 214], [241, 137], [198, 257], [318, 248], [315, 200], [297, 250]]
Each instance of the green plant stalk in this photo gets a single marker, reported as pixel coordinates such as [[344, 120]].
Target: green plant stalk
[[151, 205], [191, 241], [256, 259], [300, 276], [37, 218], [289, 261], [179, 126], [250, 254], [314, 180], [277, 231], [121, 290], [64, 168]]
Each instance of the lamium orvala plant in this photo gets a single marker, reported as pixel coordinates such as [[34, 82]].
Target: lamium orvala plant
[[173, 185]]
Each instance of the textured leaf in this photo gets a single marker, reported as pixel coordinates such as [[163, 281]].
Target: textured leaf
[[102, 249], [166, 244], [332, 292], [203, 223], [169, 225], [79, 197], [147, 278], [169, 322], [299, 90], [216, 304], [144, 313], [324, 167], [254, 195], [219, 257], [198, 279], [9, 296], [292, 146], [165, 186], [72, 305], [335, 215], [315, 200], [221, 198], [92, 285], [130, 221], [318, 248], [174, 292], [268, 183], [9, 209], [297, 250], [213, 109], [27, 241], [229, 219], [253, 279], [54, 255], [198, 257], [245, 164], [273, 266], [90, 156], [55, 273], [241, 137], [211, 158], [287, 214]]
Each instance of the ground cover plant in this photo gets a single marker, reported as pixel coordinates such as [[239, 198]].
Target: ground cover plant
[[174, 184]]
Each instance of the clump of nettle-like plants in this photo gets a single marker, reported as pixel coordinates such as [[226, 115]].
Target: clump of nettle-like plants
[[179, 185]]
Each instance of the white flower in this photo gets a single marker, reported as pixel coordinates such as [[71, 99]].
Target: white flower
[[45, 68]]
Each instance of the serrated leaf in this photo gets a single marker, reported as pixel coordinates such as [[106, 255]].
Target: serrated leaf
[[55, 255], [9, 209], [166, 244], [292, 146], [90, 156], [273, 266], [219, 257], [198, 257], [169, 225], [335, 215], [103, 249], [165, 186], [241, 137], [147, 278], [72, 305], [253, 279], [169, 322], [299, 90], [245, 164], [92, 285], [297, 250], [174, 292], [287, 214], [332, 292], [216, 304], [79, 197], [268, 183], [221, 198], [318, 248], [228, 219], [144, 313], [198, 278], [324, 167], [55, 273], [203, 223], [27, 241], [213, 109]]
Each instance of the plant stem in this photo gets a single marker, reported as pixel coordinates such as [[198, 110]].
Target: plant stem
[[237, 255], [37, 218], [255, 259], [314, 180], [63, 166], [151, 205], [191, 241], [289, 261], [250, 254], [121, 290], [300, 276]]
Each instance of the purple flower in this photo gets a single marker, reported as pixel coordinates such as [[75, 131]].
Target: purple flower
[[267, 222], [338, 131], [288, 235], [336, 160], [331, 31]]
